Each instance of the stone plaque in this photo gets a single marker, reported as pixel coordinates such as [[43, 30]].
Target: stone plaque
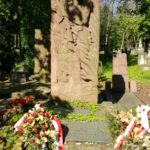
[[75, 49], [120, 73]]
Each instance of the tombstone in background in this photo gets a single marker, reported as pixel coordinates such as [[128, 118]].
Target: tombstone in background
[[141, 54], [75, 49], [142, 58], [120, 81], [42, 56], [140, 47], [148, 58]]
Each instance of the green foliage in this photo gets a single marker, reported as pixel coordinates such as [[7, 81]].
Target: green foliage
[[122, 25], [9, 139], [76, 104], [135, 72], [81, 117], [114, 125], [145, 23], [86, 105], [18, 19], [107, 67], [26, 61]]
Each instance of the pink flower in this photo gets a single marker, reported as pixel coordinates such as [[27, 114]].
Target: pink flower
[[35, 130], [52, 127], [29, 113], [43, 127], [35, 127], [33, 114], [20, 104], [47, 119], [47, 113], [24, 120], [29, 121], [37, 136], [14, 110], [20, 129], [30, 99], [44, 135], [32, 141], [41, 113]]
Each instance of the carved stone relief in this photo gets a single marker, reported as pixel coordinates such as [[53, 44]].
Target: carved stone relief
[[74, 49]]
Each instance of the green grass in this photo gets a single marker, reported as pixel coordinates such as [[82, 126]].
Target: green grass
[[135, 72], [77, 104]]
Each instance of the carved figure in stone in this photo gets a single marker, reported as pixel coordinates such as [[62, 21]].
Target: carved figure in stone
[[75, 49]]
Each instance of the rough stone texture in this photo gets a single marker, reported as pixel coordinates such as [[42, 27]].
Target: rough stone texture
[[83, 131], [41, 61], [74, 49], [133, 86], [87, 146], [120, 73]]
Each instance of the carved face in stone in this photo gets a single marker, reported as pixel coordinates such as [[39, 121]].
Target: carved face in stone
[[78, 11]]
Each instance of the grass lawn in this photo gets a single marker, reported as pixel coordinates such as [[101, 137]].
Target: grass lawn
[[135, 72]]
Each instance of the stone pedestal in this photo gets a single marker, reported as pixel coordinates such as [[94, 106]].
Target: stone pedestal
[[120, 81], [75, 49], [133, 86]]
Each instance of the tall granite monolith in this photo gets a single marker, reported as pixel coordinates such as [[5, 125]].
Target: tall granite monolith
[[75, 49]]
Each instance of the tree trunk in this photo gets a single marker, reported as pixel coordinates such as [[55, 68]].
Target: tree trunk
[[122, 43]]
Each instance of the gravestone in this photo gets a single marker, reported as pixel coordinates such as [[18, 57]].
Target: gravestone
[[140, 47], [120, 81], [74, 49], [141, 58], [41, 60], [148, 58]]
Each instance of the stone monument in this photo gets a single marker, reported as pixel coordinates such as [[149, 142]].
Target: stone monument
[[120, 81], [140, 47], [75, 49]]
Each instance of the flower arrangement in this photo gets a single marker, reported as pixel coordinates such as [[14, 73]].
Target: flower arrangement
[[134, 128], [25, 103], [14, 109], [8, 117], [36, 129]]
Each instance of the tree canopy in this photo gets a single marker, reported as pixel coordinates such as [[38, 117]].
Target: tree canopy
[[124, 23]]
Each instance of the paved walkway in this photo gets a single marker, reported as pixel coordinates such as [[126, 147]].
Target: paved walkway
[[96, 134]]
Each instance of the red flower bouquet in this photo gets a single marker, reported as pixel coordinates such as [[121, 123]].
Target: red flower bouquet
[[36, 129]]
